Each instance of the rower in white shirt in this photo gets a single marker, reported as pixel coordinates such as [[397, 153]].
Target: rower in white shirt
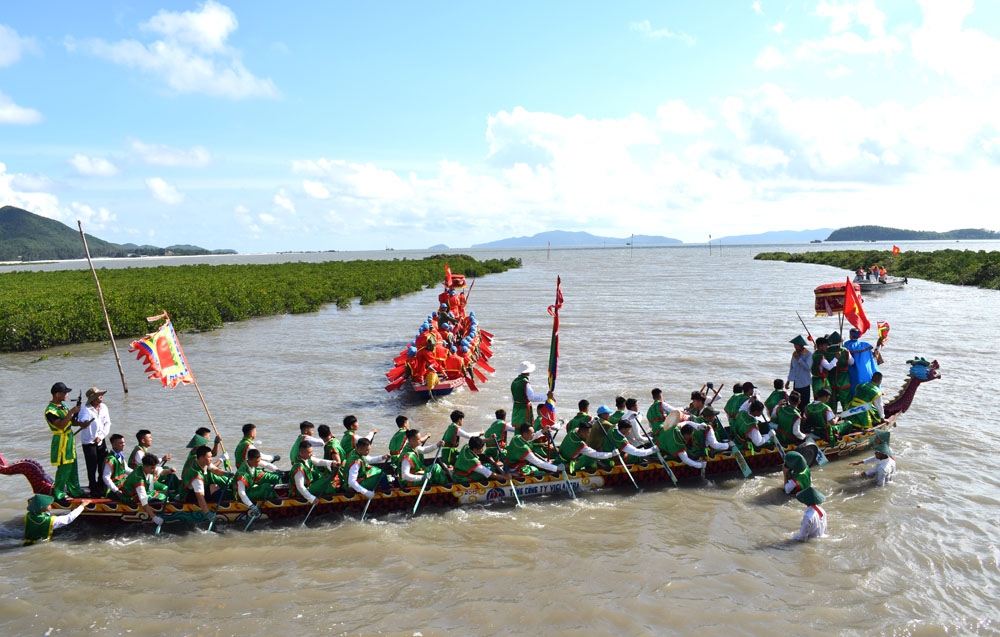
[[814, 518], [361, 476], [308, 483]]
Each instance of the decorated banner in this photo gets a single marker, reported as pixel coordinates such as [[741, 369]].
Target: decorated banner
[[853, 312], [554, 347], [830, 298], [883, 331], [162, 355]]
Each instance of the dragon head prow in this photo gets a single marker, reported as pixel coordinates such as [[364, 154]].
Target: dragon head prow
[[922, 369]]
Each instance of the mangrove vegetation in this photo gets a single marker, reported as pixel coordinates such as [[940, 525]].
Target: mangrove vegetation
[[955, 267], [43, 309]]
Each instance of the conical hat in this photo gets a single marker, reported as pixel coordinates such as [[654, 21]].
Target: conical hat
[[795, 462], [38, 503], [810, 497]]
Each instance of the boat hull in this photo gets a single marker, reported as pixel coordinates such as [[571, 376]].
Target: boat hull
[[891, 283]]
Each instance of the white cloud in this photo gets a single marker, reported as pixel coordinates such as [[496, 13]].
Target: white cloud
[[756, 8], [647, 30], [12, 45], [282, 201], [163, 191], [192, 55], [770, 58], [778, 28], [675, 116], [92, 219], [839, 71], [11, 113], [266, 218], [845, 19], [93, 166], [843, 15], [315, 189], [33, 183], [944, 45], [160, 155], [26, 191]]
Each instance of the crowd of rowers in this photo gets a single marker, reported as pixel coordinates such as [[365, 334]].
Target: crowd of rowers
[[447, 343]]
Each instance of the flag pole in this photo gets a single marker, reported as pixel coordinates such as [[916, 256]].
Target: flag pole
[[100, 295]]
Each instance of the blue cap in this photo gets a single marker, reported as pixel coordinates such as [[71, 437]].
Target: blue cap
[[603, 410], [412, 349], [465, 348], [454, 349]]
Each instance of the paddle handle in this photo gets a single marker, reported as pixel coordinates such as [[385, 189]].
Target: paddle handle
[[659, 456], [427, 478], [503, 463]]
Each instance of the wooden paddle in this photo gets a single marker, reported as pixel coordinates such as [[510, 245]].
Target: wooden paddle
[[427, 478], [482, 363], [503, 463], [396, 384], [659, 456], [620, 456], [481, 376]]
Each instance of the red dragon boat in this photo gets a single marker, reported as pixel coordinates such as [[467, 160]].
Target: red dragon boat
[[448, 326], [284, 506]]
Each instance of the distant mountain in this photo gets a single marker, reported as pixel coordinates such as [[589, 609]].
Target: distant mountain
[[780, 236], [439, 246], [26, 236], [881, 233], [564, 238]]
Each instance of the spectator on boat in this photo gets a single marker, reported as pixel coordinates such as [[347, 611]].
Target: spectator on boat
[[796, 473], [748, 430], [576, 453], [523, 396], [838, 361], [733, 405], [332, 450], [885, 465], [582, 416], [818, 367], [348, 442], [308, 476], [618, 440], [799, 376], [61, 421], [673, 444], [814, 518], [115, 469], [469, 465], [307, 431], [787, 420], [141, 486], [521, 458], [362, 477], [247, 443], [202, 478], [865, 359], [452, 433], [412, 464], [703, 440], [253, 483], [93, 437], [657, 413], [39, 523], [453, 365], [775, 397]]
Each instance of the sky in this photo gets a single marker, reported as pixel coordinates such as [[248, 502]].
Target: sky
[[345, 126]]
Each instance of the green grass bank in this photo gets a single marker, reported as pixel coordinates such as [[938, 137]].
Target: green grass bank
[[44, 309], [955, 267]]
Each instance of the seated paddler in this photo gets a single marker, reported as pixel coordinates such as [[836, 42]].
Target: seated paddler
[[796, 473], [307, 433], [697, 403], [496, 434], [452, 435], [248, 442], [413, 469], [749, 430], [308, 476], [821, 419], [39, 523], [673, 443], [703, 441], [114, 470], [734, 403], [349, 441], [657, 413], [577, 454], [469, 464], [362, 477], [332, 450], [253, 482], [202, 478], [521, 458], [868, 394], [787, 421], [775, 398], [617, 442], [140, 486], [199, 439]]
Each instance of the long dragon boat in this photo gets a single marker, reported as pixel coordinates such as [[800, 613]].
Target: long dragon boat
[[285, 506], [448, 321]]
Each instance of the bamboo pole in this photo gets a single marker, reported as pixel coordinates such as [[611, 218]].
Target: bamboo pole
[[100, 295]]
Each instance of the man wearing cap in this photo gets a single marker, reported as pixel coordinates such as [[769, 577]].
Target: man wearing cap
[[799, 369], [814, 519], [39, 523], [61, 420], [885, 467], [93, 436], [453, 364], [523, 396], [865, 358], [796, 473], [577, 454]]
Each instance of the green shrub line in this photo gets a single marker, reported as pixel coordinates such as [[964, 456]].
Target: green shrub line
[[44, 309], [955, 267]]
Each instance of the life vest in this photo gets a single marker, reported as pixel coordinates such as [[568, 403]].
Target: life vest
[[118, 474], [416, 465], [242, 449], [655, 415], [466, 464], [63, 449], [571, 446], [670, 441], [498, 429], [132, 464], [37, 527], [136, 479], [517, 451]]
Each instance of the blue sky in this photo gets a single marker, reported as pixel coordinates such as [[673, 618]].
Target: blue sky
[[325, 125]]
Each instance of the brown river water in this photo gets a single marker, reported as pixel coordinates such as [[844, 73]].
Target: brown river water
[[917, 557]]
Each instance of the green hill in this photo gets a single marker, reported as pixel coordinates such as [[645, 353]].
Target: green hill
[[882, 233], [25, 236]]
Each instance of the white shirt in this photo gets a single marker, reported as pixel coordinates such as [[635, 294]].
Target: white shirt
[[757, 439], [813, 524], [538, 462], [352, 477], [406, 468], [710, 440], [590, 452], [532, 396], [62, 520], [100, 425], [267, 460], [683, 457], [883, 471], [300, 479], [106, 475]]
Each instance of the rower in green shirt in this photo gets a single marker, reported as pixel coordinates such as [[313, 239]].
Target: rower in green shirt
[[818, 370], [452, 434], [821, 419], [870, 394], [309, 477], [141, 487], [413, 467], [332, 450], [619, 410], [362, 477], [749, 431], [732, 407], [521, 458], [775, 397], [39, 523], [201, 479], [349, 442], [840, 378], [673, 442], [577, 454], [247, 443], [497, 431], [787, 421], [581, 416], [398, 440], [469, 466], [617, 441], [254, 483], [657, 412]]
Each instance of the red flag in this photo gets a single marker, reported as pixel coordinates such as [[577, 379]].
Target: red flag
[[853, 312], [447, 276], [554, 345], [895, 249]]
